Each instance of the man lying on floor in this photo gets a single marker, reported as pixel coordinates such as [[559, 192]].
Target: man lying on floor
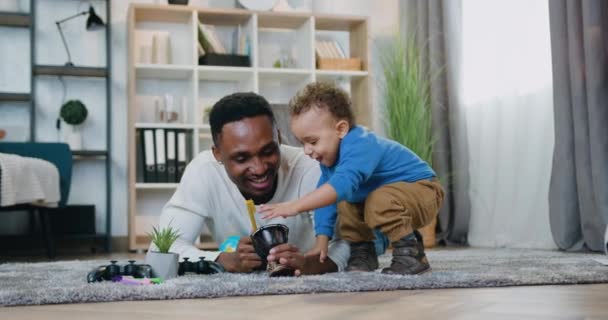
[[247, 161]]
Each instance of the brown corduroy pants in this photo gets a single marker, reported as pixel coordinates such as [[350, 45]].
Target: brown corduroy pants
[[396, 209]]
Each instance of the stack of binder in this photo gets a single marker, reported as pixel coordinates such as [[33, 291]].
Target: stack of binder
[[164, 154]]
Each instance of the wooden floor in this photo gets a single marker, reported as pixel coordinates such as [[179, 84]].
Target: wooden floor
[[540, 302], [535, 302]]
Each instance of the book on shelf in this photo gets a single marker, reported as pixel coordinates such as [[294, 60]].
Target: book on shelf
[[341, 51], [140, 165], [329, 55], [209, 39], [203, 40], [161, 157], [236, 35], [153, 47], [149, 155], [329, 49], [241, 42], [163, 153], [161, 48], [181, 154], [171, 157], [201, 50]]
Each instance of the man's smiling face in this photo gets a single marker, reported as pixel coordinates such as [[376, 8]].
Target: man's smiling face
[[249, 150]]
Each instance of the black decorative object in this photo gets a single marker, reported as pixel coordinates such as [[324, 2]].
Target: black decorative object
[[110, 271], [266, 238], [94, 22], [181, 2], [202, 266], [230, 60]]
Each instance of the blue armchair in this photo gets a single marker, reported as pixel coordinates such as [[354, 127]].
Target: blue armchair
[[58, 154]]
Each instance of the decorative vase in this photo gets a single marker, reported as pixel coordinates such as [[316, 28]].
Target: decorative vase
[[72, 136], [164, 265]]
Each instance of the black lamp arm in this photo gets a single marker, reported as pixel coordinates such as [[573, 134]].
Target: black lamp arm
[[72, 17], [65, 45]]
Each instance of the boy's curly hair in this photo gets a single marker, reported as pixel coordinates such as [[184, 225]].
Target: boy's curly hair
[[326, 96]]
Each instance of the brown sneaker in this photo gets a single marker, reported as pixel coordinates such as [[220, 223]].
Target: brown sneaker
[[408, 258], [362, 257]]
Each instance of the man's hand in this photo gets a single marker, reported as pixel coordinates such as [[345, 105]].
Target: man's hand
[[290, 256], [283, 209], [244, 259]]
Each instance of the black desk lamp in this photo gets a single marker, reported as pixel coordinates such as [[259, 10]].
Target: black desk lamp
[[94, 22]]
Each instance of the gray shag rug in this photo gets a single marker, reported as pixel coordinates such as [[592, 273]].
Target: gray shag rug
[[65, 282]]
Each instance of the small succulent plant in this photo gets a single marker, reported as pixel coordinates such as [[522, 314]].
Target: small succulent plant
[[163, 238]]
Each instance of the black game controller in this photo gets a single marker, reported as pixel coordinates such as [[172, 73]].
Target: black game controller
[[202, 266], [110, 271]]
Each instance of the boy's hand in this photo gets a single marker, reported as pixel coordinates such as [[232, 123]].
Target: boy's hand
[[321, 247], [283, 209]]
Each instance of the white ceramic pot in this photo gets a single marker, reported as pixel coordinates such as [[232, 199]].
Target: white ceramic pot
[[164, 265], [72, 136]]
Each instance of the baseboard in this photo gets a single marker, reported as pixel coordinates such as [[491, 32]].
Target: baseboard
[[120, 244]]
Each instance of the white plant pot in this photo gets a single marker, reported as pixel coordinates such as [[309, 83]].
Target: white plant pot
[[72, 136], [164, 265]]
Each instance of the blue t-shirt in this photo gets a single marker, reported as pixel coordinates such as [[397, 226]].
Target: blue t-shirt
[[366, 162]]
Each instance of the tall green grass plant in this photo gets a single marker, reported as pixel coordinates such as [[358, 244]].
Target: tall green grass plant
[[407, 100]]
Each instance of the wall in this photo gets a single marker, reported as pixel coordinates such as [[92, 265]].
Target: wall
[[87, 49]]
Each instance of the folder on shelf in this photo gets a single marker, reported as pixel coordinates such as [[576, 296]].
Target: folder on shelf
[[171, 157], [161, 160], [181, 154], [149, 161], [140, 165]]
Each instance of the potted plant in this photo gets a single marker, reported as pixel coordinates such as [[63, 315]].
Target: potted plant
[[407, 105], [164, 263], [73, 113]]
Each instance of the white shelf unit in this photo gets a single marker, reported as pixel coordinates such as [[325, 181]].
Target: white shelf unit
[[271, 35]]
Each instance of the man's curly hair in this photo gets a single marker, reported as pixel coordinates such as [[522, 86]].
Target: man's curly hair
[[326, 96]]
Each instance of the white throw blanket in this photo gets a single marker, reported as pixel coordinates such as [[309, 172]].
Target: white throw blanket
[[28, 181]]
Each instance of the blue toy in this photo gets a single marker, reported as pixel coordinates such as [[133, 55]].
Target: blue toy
[[230, 244]]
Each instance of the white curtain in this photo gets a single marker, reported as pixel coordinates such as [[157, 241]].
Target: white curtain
[[506, 104]]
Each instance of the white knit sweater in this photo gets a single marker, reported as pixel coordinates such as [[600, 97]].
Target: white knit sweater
[[207, 197], [28, 180]]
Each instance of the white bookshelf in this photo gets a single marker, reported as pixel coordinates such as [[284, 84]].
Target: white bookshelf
[[155, 72], [271, 35], [155, 186]]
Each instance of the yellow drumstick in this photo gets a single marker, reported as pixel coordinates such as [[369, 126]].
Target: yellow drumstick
[[251, 210]]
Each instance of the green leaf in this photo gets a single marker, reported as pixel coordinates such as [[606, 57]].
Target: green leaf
[[163, 238], [407, 100]]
